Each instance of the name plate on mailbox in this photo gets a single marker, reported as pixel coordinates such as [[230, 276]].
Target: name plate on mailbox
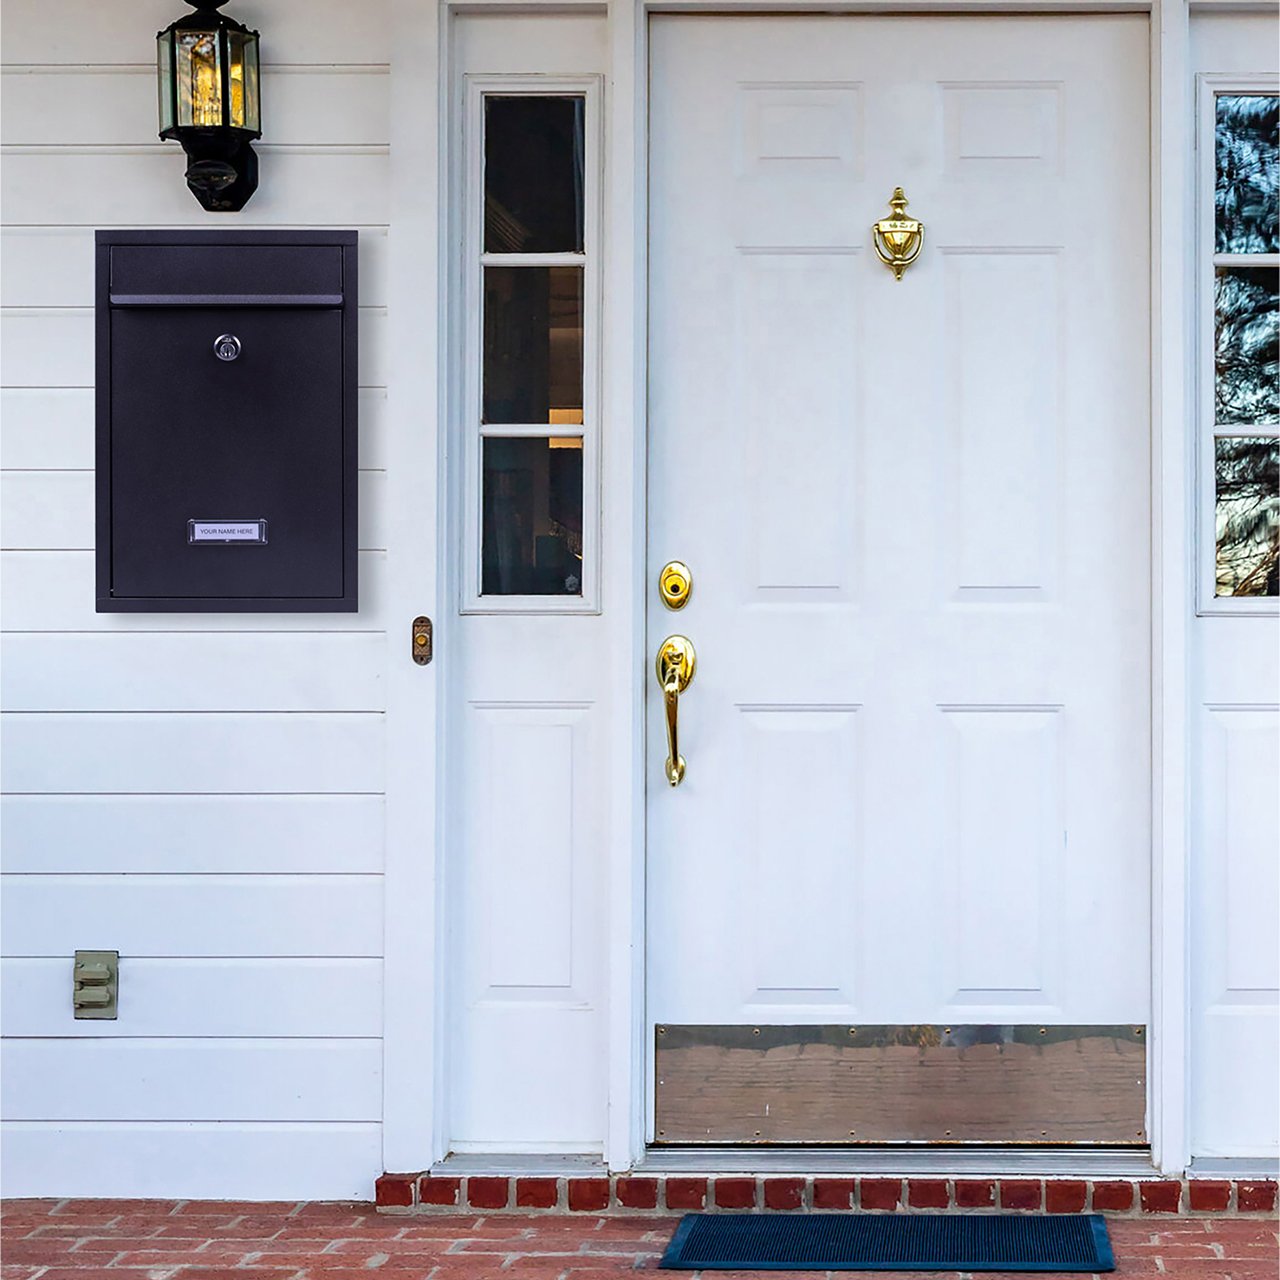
[[253, 532]]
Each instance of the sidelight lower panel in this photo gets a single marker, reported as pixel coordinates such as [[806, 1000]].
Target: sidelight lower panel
[[901, 1084]]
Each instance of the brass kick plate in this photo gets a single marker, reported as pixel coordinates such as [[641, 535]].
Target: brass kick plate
[[843, 1085]]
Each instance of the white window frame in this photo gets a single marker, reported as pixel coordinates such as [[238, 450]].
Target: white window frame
[[470, 427], [1209, 87]]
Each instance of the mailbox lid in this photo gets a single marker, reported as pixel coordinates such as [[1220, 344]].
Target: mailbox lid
[[186, 275]]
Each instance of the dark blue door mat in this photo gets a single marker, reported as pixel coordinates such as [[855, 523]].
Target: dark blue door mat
[[890, 1242]]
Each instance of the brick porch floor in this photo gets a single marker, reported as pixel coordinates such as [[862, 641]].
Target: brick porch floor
[[194, 1240]]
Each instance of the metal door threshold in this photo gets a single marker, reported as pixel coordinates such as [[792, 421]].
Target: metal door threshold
[[1234, 1167], [981, 1162]]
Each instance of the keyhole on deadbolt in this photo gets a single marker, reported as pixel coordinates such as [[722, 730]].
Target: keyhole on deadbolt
[[226, 346]]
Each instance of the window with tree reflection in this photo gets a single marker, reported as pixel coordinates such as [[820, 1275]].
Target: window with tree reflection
[[1247, 515], [1245, 185], [1246, 346]]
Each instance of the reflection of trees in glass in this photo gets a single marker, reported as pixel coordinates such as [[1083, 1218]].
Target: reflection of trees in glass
[[1248, 516], [1246, 345], [1245, 192]]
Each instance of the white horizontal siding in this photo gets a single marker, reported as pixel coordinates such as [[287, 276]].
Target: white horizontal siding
[[205, 1079], [47, 428], [183, 915], [84, 31], [201, 792], [141, 752], [45, 105], [262, 996], [143, 185], [54, 511], [54, 591], [191, 834], [210, 1160], [309, 671]]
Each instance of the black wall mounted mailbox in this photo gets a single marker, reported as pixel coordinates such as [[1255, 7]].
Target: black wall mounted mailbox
[[226, 407]]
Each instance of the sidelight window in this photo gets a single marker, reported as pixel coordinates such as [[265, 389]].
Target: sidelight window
[[1240, 343], [533, 319]]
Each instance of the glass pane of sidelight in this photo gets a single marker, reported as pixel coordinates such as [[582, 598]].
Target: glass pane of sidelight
[[244, 80], [1246, 344], [1247, 515], [199, 79], [533, 174], [532, 368], [532, 511], [1248, 170]]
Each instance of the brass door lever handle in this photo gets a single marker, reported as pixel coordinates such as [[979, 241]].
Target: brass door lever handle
[[676, 664]]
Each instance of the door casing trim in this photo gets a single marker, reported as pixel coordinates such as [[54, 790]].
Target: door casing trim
[[421, 355]]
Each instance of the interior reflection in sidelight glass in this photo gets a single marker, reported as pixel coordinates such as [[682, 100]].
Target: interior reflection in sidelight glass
[[1247, 515], [532, 510], [1245, 193], [1246, 345], [533, 174], [532, 370]]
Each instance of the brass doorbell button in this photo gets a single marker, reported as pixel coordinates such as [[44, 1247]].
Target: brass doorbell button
[[422, 645]]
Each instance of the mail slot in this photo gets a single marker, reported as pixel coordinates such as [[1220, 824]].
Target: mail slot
[[226, 421]]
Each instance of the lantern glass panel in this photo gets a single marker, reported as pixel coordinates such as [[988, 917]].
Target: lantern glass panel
[[164, 73], [243, 66], [199, 78]]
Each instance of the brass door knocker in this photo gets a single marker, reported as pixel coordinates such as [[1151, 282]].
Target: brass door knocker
[[898, 239]]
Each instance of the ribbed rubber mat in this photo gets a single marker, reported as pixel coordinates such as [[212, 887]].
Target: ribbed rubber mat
[[890, 1242]]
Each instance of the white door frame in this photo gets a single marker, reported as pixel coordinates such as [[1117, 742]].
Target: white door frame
[[419, 579]]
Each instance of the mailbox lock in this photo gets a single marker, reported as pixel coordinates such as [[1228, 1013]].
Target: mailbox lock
[[226, 346]]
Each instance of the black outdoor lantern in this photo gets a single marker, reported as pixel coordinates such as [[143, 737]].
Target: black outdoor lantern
[[209, 102]]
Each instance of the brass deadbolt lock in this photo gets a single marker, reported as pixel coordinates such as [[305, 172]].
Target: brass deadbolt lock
[[675, 583]]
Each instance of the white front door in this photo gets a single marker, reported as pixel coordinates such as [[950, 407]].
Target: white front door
[[917, 518]]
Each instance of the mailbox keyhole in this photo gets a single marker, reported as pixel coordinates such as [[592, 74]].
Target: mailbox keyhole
[[226, 346]]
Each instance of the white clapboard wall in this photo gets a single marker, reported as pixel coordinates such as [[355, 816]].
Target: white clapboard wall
[[242, 888]]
